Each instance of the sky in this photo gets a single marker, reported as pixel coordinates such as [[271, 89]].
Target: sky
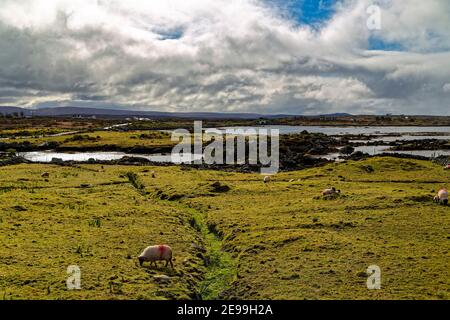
[[265, 56]]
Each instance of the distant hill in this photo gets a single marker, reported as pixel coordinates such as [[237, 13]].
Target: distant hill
[[12, 110], [85, 112], [337, 115], [330, 115], [121, 113]]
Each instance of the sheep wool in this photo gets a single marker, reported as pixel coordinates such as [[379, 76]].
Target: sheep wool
[[443, 196], [327, 192], [156, 253]]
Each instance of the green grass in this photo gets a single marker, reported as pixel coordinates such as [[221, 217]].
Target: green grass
[[47, 226], [101, 139], [279, 240], [221, 269], [12, 133]]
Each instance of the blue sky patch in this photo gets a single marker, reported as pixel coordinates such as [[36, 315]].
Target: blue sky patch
[[375, 43], [310, 12], [171, 34]]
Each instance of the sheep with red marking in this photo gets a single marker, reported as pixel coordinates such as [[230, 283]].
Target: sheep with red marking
[[156, 253]]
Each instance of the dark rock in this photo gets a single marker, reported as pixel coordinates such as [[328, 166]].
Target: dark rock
[[218, 187]]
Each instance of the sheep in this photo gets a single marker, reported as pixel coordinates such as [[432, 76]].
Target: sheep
[[266, 179], [330, 192], [156, 253], [442, 196], [45, 175], [153, 174]]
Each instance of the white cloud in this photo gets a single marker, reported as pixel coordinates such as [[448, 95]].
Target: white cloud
[[235, 55], [446, 87]]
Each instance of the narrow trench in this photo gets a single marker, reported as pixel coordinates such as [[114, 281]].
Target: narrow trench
[[221, 267]]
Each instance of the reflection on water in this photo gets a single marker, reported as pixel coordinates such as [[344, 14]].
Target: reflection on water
[[402, 133], [352, 130], [47, 156], [403, 138]]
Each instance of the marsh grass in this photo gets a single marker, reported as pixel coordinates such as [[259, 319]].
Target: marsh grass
[[96, 222], [99, 139], [280, 240], [136, 182], [221, 269]]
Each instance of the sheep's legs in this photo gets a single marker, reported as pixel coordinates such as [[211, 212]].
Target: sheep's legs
[[169, 261]]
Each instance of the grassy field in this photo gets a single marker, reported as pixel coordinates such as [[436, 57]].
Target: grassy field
[[103, 139], [279, 240], [52, 123], [14, 133]]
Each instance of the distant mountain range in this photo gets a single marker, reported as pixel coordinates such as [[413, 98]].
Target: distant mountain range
[[115, 113]]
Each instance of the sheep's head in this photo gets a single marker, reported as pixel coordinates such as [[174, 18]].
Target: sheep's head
[[141, 260]]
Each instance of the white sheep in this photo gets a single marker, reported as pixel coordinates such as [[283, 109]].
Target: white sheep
[[266, 179], [156, 253], [442, 196], [45, 175], [153, 174], [331, 191]]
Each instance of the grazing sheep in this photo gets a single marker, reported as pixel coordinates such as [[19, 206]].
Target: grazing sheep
[[153, 174], [292, 180], [156, 253], [330, 192], [442, 196], [45, 175], [266, 179]]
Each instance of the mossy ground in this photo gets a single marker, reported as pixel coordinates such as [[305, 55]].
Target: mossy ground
[[101, 139], [47, 226], [279, 240]]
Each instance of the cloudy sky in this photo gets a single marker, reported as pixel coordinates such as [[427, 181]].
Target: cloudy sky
[[266, 56]]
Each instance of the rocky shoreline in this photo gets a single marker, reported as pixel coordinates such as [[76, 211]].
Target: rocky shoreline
[[296, 152], [290, 164]]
